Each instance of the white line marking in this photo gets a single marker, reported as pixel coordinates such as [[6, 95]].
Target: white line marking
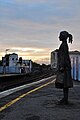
[[10, 91], [23, 95]]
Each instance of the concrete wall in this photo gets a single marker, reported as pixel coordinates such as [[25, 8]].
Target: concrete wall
[[7, 69], [14, 69]]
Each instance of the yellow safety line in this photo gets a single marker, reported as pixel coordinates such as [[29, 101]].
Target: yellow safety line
[[23, 95]]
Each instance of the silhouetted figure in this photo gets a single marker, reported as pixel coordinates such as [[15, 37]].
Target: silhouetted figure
[[64, 67]]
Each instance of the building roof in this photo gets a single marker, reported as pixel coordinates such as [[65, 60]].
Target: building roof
[[55, 50], [74, 52], [7, 55], [70, 52]]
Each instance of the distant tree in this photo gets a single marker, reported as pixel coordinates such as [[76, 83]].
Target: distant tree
[[20, 60], [44, 65], [34, 64]]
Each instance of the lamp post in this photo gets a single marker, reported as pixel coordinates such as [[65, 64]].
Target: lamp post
[[6, 51]]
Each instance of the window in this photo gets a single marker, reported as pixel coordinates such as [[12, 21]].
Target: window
[[12, 58]]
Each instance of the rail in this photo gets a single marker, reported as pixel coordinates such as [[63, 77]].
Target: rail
[[11, 81]]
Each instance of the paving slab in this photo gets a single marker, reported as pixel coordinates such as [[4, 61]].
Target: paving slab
[[41, 105]]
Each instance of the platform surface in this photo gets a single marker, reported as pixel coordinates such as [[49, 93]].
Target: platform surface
[[41, 105]]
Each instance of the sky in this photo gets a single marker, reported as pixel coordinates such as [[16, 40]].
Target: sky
[[31, 28]]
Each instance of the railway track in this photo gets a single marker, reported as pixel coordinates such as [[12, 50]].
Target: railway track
[[13, 81]]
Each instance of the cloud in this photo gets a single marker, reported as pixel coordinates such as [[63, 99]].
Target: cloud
[[35, 10], [26, 32], [30, 26], [33, 53]]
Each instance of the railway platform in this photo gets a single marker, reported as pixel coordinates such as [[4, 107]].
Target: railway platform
[[39, 103]]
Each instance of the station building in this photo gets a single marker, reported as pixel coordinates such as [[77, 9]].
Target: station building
[[11, 64], [75, 63]]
